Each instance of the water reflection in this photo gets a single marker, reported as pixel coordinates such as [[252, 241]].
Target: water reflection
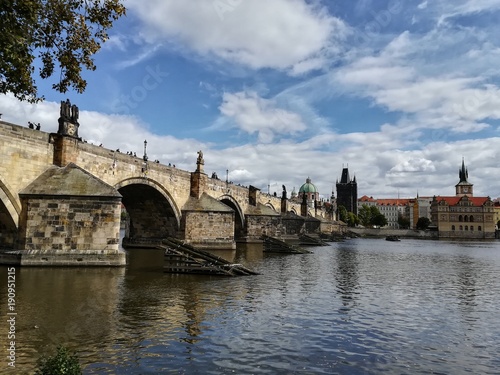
[[347, 276], [57, 305], [467, 277], [362, 306]]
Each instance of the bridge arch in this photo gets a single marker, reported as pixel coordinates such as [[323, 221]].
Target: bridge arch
[[10, 210], [239, 217], [153, 213], [270, 205]]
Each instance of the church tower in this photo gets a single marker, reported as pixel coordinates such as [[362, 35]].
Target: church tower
[[347, 192], [463, 187]]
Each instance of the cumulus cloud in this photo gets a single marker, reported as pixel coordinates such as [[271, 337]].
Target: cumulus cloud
[[413, 165], [439, 80], [290, 35], [254, 114]]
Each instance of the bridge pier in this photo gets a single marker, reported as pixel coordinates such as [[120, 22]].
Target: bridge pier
[[206, 223], [68, 218]]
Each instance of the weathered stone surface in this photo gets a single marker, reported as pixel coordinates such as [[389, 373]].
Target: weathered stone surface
[[70, 180], [79, 205], [69, 217], [208, 223]]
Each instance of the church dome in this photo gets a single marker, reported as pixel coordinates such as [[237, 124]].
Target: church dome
[[308, 187]]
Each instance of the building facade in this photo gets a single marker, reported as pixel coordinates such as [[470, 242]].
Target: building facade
[[463, 215], [392, 209], [496, 203]]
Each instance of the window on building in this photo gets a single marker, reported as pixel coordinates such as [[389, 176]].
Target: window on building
[[452, 227], [461, 227], [471, 219], [472, 228], [466, 218], [479, 228], [460, 218], [466, 227]]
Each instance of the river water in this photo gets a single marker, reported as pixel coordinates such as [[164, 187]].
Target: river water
[[363, 306]]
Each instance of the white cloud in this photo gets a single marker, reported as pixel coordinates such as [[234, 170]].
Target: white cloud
[[253, 114], [466, 7], [377, 160], [422, 5], [282, 34], [142, 56], [413, 165]]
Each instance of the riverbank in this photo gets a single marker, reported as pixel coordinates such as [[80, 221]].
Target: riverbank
[[404, 233]]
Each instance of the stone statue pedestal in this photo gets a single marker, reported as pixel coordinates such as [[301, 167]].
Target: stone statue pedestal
[[67, 128]]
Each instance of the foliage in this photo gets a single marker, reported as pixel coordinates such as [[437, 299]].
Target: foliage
[[404, 223], [124, 215], [347, 217], [62, 363], [371, 216], [342, 213], [379, 220], [352, 219], [62, 34], [365, 214], [423, 223]]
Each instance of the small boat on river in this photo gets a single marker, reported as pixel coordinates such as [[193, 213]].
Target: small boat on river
[[392, 238]]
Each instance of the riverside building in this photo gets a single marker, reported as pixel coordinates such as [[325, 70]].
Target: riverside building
[[463, 215]]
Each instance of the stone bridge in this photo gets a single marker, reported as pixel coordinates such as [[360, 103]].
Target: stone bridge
[[61, 201]]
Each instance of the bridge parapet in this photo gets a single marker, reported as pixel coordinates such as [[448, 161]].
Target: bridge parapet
[[161, 200]]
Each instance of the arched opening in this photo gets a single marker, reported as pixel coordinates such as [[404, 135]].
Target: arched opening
[[151, 212], [9, 217], [471, 219], [239, 219], [460, 218], [270, 205], [8, 228]]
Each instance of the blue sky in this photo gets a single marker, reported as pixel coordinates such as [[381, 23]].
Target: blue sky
[[276, 91]]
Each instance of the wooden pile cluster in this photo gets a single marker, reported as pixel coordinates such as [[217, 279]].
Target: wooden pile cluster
[[307, 240], [273, 245], [183, 258]]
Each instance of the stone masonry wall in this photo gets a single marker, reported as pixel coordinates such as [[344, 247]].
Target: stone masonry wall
[[69, 224], [203, 228], [263, 225], [26, 153], [114, 167]]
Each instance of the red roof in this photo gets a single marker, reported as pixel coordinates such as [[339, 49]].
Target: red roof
[[453, 201], [392, 202], [366, 198]]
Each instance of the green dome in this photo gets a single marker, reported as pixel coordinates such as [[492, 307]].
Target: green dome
[[308, 187]]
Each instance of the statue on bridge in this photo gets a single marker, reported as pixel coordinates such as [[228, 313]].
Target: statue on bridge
[[200, 158], [283, 194], [200, 162], [68, 120]]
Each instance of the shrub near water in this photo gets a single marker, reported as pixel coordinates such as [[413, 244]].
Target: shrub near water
[[63, 363]]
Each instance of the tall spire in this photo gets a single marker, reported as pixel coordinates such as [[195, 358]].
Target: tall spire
[[463, 173]]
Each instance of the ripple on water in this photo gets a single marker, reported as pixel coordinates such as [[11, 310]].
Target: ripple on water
[[358, 307]]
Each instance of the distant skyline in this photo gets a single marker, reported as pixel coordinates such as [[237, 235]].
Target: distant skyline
[[278, 91]]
